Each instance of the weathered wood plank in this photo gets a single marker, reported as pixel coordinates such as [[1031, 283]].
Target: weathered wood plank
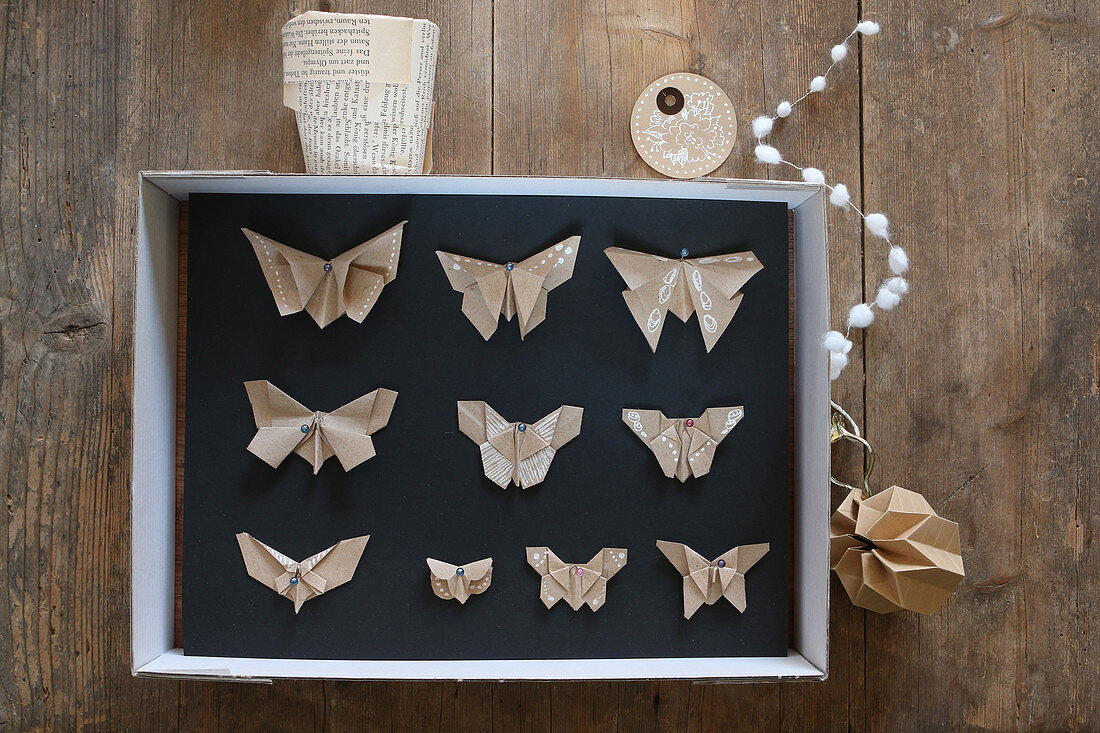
[[982, 390], [65, 349]]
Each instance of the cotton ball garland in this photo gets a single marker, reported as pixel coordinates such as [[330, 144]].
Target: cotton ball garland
[[877, 224], [886, 298], [768, 154], [839, 197], [813, 175], [891, 290], [899, 261], [898, 285], [836, 343], [837, 362], [761, 126], [861, 316]]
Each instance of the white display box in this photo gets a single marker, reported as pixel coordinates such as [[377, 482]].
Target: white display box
[[154, 461]]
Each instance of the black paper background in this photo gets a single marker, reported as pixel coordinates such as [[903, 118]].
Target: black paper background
[[424, 494]]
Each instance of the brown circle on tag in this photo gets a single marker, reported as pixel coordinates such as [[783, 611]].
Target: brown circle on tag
[[683, 125]]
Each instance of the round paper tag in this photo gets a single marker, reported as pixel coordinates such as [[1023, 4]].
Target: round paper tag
[[683, 125]]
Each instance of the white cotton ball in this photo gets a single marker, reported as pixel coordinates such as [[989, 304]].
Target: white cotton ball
[[837, 362], [861, 316], [784, 109], [898, 285], [839, 52], [813, 175], [839, 196], [887, 298], [817, 84], [761, 126], [899, 261], [836, 343], [868, 27], [768, 154], [877, 224]]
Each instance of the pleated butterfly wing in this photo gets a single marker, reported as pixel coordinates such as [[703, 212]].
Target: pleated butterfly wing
[[516, 452]]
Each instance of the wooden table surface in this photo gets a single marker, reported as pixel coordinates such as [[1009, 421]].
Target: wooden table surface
[[973, 125]]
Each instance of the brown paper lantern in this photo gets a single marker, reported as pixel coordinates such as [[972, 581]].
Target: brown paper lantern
[[892, 551]]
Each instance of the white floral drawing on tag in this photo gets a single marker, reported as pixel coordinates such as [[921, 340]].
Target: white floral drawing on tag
[[695, 134]]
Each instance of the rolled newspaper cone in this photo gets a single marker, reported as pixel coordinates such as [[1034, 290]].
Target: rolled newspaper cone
[[361, 89]]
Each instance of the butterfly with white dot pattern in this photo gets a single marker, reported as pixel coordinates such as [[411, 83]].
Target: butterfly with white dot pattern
[[327, 289], [460, 581], [684, 446], [490, 290], [575, 583]]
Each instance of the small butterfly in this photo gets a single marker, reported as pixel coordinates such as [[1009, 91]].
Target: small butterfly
[[460, 581]]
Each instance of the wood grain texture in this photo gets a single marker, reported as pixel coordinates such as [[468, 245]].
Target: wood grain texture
[[972, 126]]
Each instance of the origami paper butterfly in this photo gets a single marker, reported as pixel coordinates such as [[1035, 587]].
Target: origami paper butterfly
[[327, 289], [707, 286], [514, 451], [460, 581], [301, 581], [490, 290], [285, 426], [683, 446], [577, 584], [705, 581]]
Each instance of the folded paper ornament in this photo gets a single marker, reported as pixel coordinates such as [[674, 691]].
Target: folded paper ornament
[[577, 584], [705, 581], [684, 446], [327, 289], [706, 286], [515, 452], [301, 581], [285, 426], [490, 290], [460, 581], [892, 551]]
